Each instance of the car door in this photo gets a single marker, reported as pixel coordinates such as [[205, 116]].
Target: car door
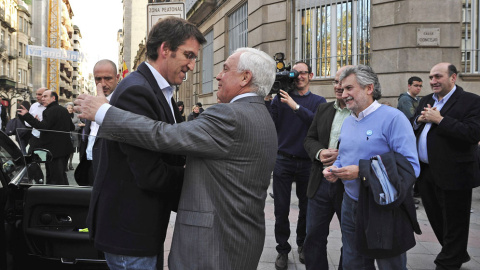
[[51, 218]]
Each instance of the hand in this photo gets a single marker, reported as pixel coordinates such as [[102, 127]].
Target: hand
[[327, 173], [22, 111], [432, 115], [346, 173], [328, 156], [81, 124], [286, 98], [267, 98], [88, 105]]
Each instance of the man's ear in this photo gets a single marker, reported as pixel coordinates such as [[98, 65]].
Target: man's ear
[[370, 89], [246, 77], [163, 50]]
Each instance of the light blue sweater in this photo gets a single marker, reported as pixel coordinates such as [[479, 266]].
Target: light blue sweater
[[384, 130]]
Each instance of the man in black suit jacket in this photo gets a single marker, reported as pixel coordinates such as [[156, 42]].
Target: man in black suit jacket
[[104, 73], [136, 189], [324, 197], [3, 116], [447, 126], [56, 118]]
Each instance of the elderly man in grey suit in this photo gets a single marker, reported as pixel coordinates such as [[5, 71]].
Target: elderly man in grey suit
[[231, 149]]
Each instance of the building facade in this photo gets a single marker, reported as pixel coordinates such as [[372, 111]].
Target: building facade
[[398, 38]]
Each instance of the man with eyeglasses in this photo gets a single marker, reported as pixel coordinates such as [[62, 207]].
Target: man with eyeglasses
[[292, 114], [408, 102], [324, 197], [135, 189]]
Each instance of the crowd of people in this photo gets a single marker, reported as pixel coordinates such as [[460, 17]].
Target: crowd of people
[[353, 157]]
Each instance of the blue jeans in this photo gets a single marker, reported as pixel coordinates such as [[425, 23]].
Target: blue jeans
[[321, 207], [352, 259], [122, 262], [286, 172]]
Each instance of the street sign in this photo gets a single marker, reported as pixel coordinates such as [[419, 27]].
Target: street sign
[[157, 11]]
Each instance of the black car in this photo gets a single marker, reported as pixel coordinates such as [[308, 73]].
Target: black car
[[45, 225]]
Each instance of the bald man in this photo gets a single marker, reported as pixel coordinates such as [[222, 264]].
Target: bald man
[[447, 126]]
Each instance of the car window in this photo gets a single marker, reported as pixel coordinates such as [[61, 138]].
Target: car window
[[11, 158], [56, 158]]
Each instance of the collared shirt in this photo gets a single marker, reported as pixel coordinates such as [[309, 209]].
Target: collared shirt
[[370, 109], [340, 115], [167, 90], [242, 96], [422, 140], [93, 133], [36, 110]]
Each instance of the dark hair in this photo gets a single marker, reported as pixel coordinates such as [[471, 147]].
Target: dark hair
[[414, 79], [174, 32], [308, 66], [199, 104], [26, 104], [54, 94], [452, 70], [179, 103]]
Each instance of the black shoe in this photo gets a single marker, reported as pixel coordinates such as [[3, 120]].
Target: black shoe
[[301, 255], [271, 195], [466, 259], [416, 201], [281, 263]]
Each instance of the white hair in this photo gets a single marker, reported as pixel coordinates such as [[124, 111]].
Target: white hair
[[261, 65]]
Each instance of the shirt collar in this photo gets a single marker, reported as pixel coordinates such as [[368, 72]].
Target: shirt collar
[[370, 109], [446, 97], [162, 83], [243, 95], [295, 92], [337, 106]]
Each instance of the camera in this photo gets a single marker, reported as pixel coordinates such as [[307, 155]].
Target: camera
[[285, 76]]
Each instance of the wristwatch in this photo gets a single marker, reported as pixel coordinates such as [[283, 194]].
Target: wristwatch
[[296, 108]]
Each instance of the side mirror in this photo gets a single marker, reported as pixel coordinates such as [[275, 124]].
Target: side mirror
[[39, 156]]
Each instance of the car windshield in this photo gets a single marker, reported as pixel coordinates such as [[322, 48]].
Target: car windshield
[[49, 157]]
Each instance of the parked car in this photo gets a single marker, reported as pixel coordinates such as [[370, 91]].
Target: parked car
[[44, 224]]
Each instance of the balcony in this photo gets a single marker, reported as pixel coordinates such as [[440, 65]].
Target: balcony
[[199, 9], [7, 82], [12, 54]]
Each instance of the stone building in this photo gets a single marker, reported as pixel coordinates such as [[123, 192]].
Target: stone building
[[398, 38]]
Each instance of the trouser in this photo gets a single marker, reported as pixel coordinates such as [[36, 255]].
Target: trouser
[[122, 262], [352, 259], [321, 207], [448, 212], [287, 171], [56, 171]]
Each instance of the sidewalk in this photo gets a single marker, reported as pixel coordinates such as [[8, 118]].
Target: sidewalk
[[420, 257]]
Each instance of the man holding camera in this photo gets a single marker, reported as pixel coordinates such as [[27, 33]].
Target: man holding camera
[[292, 114]]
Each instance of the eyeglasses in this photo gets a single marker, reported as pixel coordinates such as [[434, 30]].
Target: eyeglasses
[[189, 55], [335, 82], [302, 72]]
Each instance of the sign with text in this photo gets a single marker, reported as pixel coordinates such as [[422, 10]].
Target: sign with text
[[157, 11], [46, 52], [428, 36]]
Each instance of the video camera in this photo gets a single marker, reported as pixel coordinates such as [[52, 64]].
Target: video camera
[[285, 76]]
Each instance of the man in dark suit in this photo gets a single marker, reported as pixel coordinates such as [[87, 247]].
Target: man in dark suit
[[447, 126], [135, 189], [231, 149], [324, 197], [56, 118], [104, 73], [3, 117]]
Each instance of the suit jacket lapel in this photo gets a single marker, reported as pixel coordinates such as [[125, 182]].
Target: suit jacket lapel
[[458, 92], [145, 71]]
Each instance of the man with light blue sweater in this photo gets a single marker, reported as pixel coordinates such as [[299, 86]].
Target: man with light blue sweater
[[372, 129]]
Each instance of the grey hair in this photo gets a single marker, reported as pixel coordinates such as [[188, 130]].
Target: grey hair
[[365, 76], [69, 103], [261, 65]]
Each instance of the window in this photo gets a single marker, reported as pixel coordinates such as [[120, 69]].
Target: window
[[2, 67], [20, 76], [333, 33], [2, 37], [7, 73], [20, 24], [470, 38], [238, 29], [207, 64]]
